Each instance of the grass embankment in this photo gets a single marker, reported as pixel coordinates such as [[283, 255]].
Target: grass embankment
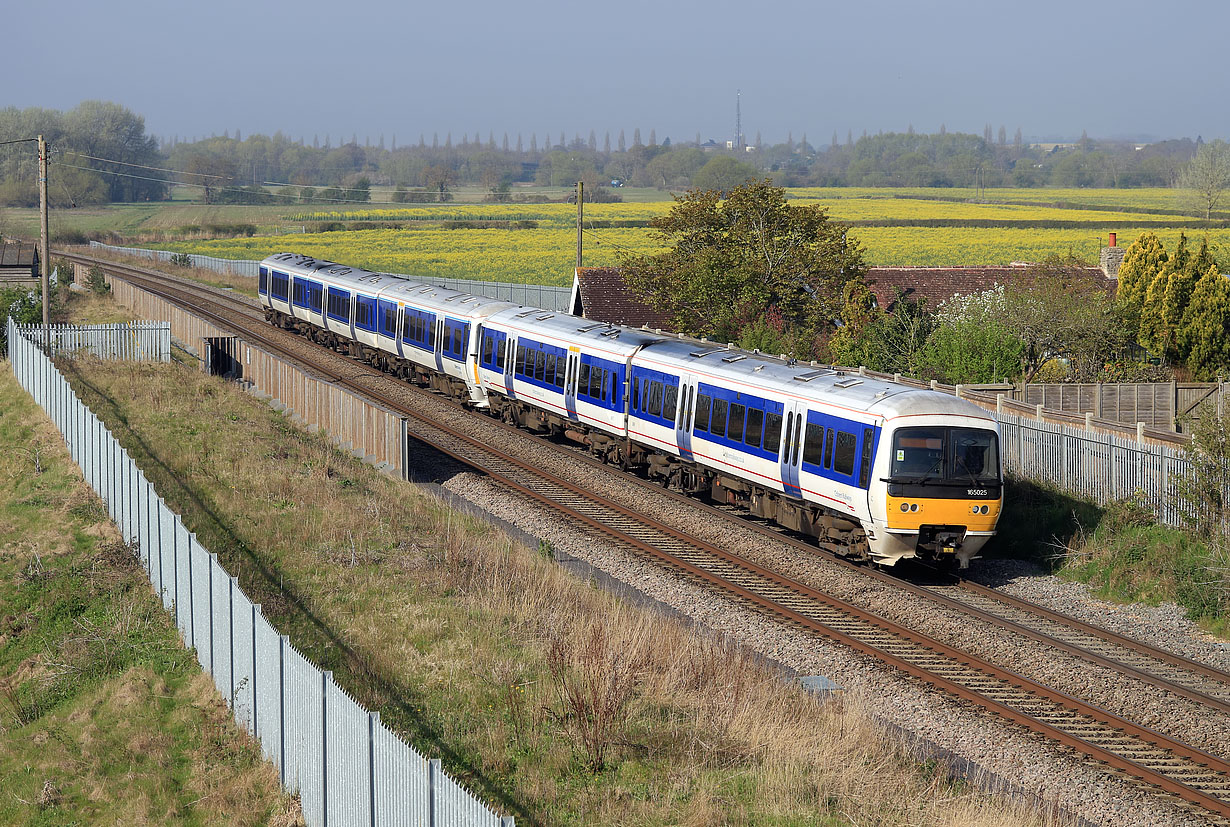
[[1120, 552], [555, 702], [104, 717]]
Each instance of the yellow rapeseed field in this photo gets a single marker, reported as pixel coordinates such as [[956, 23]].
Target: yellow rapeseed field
[[545, 254]]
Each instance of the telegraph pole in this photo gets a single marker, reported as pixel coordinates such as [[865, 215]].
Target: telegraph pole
[[43, 252], [580, 214]]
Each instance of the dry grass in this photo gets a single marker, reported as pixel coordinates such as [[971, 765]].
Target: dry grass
[[553, 700]]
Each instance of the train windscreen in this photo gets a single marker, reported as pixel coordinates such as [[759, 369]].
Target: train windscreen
[[935, 453]]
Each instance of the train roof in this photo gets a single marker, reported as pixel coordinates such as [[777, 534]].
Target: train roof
[[615, 339], [823, 383]]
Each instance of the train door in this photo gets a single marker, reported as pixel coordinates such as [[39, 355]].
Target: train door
[[792, 448], [570, 382], [685, 412], [437, 343]]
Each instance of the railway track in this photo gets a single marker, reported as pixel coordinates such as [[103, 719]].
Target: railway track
[[1193, 776]]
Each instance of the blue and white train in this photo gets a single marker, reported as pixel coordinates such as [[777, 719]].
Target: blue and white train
[[872, 469]]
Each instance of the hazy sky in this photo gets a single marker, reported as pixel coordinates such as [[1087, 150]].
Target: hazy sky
[[372, 67]]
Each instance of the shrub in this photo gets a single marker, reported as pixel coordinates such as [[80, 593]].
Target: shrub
[[98, 280], [181, 260]]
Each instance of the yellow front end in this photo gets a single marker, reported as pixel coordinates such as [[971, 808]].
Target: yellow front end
[[910, 513]]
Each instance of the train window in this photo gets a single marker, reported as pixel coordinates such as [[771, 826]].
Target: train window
[[597, 383], [316, 295], [363, 315], [613, 389], [670, 402], [459, 345], [864, 474], [772, 432], [390, 322], [297, 293], [520, 360], [339, 305], [501, 355], [262, 284], [828, 449], [550, 371], [717, 420], [843, 457], [561, 365], [755, 424], [813, 448], [540, 365], [636, 395], [691, 397], [655, 398], [798, 429], [488, 348], [789, 435], [583, 381], [701, 422], [737, 413], [279, 284]]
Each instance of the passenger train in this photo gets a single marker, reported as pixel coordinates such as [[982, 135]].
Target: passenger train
[[871, 469]]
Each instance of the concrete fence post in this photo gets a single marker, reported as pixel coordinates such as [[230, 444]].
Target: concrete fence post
[[999, 403], [1140, 432], [1088, 420], [1038, 413]]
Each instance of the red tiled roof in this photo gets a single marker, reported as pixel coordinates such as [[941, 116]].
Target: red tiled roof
[[936, 284], [604, 297]]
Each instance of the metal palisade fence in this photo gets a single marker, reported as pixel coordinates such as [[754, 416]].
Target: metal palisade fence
[[1094, 466], [132, 341], [547, 296], [346, 766]]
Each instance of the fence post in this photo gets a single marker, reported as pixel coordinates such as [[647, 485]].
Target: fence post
[[231, 637], [1140, 432], [256, 610], [325, 679], [1088, 421], [282, 641], [433, 775], [999, 403], [373, 719], [405, 449], [1038, 413]]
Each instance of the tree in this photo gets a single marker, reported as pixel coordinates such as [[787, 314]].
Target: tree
[[732, 261], [211, 172], [1142, 262], [1207, 177], [972, 342], [439, 177], [1203, 333], [1058, 309], [723, 174]]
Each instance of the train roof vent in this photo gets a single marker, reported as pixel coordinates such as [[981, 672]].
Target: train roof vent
[[590, 327], [470, 299], [813, 374], [611, 334], [546, 316], [525, 313], [738, 357], [847, 383], [426, 289], [701, 354]]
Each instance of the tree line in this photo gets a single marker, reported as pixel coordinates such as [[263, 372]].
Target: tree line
[[102, 153]]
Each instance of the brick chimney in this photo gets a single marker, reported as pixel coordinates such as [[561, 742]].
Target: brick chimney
[[1111, 258]]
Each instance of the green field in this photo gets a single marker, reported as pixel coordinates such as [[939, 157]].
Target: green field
[[897, 227]]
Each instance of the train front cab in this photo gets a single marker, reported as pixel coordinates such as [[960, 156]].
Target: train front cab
[[940, 492]]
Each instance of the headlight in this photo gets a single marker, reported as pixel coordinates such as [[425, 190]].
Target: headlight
[[905, 507]]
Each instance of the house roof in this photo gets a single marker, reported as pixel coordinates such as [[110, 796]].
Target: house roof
[[18, 254], [937, 284], [599, 293]]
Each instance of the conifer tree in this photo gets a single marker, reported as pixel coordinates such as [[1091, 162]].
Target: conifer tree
[[1203, 334], [1152, 336], [1141, 264]]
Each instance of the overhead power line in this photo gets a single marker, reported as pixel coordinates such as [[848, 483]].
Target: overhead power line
[[157, 169]]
